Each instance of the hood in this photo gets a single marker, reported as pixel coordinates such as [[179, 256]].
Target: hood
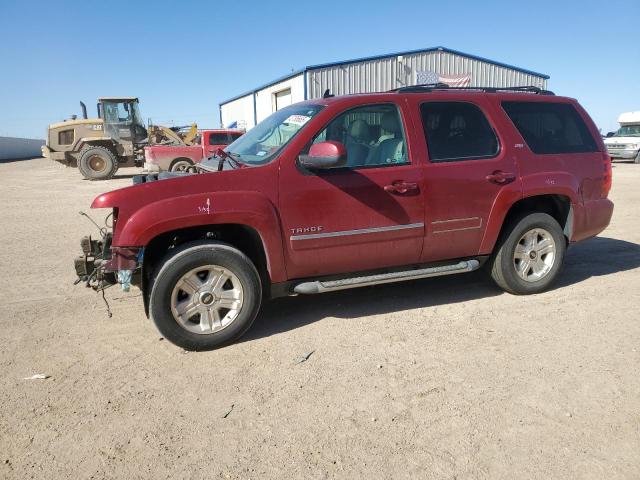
[[73, 123], [135, 196]]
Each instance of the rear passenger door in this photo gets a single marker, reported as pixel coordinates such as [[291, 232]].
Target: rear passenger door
[[469, 167]]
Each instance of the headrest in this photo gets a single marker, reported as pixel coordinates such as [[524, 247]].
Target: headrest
[[359, 129], [390, 122]]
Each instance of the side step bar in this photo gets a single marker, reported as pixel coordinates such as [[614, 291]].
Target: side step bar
[[319, 286]]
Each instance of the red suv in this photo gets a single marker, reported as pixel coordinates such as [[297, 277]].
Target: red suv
[[344, 192]]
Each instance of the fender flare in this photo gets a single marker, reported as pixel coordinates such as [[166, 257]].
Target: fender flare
[[81, 142], [247, 208], [545, 183]]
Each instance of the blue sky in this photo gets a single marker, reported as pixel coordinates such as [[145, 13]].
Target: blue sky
[[183, 58]]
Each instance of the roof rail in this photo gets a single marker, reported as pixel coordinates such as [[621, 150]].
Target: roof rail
[[430, 87]]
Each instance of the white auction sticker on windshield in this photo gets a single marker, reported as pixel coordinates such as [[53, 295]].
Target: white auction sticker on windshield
[[297, 119]]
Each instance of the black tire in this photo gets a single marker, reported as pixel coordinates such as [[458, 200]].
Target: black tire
[[178, 163], [187, 258], [97, 163], [503, 268]]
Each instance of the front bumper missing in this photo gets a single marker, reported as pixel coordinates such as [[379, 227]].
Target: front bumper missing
[[101, 266]]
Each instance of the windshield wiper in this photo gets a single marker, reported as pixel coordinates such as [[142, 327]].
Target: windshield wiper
[[222, 155]]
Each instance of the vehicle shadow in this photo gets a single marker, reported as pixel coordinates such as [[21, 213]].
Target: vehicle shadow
[[599, 256]]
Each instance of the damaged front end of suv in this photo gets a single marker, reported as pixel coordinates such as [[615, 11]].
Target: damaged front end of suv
[[101, 265]]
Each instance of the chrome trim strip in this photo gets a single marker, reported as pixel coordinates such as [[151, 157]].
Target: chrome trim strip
[[361, 231], [457, 229], [455, 220]]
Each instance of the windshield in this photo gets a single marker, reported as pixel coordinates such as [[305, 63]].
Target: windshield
[[628, 131], [125, 112], [263, 142]]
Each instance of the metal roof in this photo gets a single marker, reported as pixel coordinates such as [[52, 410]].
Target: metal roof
[[100, 99], [378, 57]]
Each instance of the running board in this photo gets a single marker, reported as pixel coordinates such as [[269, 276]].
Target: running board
[[320, 286]]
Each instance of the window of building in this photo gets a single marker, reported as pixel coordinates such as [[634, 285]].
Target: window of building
[[457, 131], [281, 99], [550, 127], [373, 135]]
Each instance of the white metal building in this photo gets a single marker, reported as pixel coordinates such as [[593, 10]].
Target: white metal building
[[374, 74]]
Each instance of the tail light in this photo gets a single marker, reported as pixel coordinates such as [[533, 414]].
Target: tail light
[[608, 175]]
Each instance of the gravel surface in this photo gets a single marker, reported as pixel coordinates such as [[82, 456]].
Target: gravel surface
[[438, 378]]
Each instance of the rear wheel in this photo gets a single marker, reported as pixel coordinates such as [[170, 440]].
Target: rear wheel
[[530, 257], [180, 165], [205, 295], [97, 163]]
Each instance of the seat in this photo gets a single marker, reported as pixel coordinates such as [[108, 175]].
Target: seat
[[357, 143], [390, 150]]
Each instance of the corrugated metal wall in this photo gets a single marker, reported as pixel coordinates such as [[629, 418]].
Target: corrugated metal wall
[[388, 73]]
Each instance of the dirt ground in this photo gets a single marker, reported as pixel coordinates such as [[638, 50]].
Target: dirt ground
[[439, 378]]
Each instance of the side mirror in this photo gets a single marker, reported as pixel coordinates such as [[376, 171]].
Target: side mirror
[[610, 134], [324, 155]]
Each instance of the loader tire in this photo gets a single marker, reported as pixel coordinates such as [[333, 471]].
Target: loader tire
[[97, 163]]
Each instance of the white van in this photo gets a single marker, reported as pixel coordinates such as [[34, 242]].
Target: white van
[[625, 143]]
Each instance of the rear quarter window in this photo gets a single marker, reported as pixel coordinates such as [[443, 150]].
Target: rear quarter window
[[550, 127]]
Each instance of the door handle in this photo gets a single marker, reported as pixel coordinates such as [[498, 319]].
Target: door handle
[[501, 178], [400, 187]]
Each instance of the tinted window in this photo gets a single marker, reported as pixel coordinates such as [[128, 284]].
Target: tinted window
[[550, 127], [372, 135], [457, 131], [219, 139]]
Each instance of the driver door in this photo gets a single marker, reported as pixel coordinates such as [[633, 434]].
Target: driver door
[[354, 218]]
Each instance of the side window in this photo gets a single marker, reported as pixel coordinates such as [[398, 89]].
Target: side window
[[457, 131], [218, 139], [373, 135], [550, 127]]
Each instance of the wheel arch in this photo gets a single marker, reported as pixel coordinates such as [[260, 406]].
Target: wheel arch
[[106, 142], [243, 237], [557, 205]]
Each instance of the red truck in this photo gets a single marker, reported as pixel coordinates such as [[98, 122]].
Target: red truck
[[345, 192], [172, 158]]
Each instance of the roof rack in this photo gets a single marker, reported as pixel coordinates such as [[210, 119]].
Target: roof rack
[[430, 87]]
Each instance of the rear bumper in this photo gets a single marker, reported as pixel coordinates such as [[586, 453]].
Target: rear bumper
[[623, 154], [591, 218]]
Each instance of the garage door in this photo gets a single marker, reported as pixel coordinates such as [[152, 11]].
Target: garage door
[[283, 99]]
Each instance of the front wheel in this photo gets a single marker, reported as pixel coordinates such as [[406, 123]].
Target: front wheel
[[97, 163], [530, 257], [205, 295]]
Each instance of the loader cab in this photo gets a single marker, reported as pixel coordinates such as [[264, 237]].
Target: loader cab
[[122, 120]]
